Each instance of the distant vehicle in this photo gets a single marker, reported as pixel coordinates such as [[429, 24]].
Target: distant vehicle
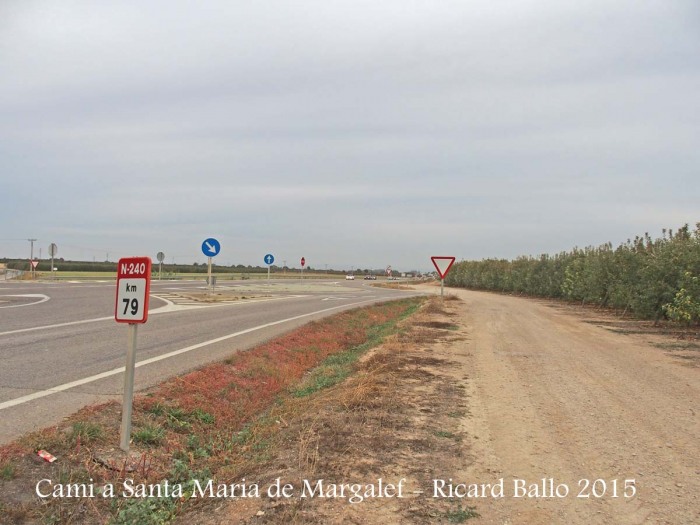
[[370, 277], [349, 277]]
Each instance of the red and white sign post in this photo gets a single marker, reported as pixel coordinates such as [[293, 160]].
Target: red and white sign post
[[303, 263], [443, 265], [133, 288]]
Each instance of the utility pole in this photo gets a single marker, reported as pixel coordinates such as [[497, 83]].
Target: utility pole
[[31, 256]]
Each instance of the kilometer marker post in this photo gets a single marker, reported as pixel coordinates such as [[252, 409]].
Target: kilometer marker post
[[442, 265], [133, 289]]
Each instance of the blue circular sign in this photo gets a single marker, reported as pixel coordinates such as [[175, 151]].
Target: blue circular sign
[[211, 247], [269, 258]]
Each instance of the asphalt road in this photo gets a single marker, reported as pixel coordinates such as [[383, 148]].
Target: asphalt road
[[61, 349]]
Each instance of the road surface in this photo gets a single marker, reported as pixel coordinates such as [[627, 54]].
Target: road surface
[[533, 412], [61, 348], [609, 415]]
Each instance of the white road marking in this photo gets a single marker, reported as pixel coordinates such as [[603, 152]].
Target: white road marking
[[59, 325], [43, 299], [115, 371], [170, 307], [341, 298]]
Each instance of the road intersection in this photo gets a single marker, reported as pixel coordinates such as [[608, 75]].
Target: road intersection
[[62, 350]]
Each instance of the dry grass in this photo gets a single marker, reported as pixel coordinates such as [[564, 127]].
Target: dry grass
[[222, 420], [393, 418]]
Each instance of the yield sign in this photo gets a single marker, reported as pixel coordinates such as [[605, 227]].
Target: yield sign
[[443, 264], [34, 263]]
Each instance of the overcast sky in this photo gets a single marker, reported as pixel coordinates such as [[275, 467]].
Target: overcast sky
[[354, 133]]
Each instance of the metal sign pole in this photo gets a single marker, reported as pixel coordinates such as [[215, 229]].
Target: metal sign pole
[[161, 257], [442, 288], [211, 285], [128, 388], [269, 259]]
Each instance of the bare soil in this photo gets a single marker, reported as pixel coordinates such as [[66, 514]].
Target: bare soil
[[492, 391], [400, 417], [536, 412]]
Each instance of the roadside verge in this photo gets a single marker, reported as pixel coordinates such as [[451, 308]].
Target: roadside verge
[[220, 425]]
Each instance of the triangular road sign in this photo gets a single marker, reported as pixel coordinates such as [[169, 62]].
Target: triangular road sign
[[443, 264], [34, 263]]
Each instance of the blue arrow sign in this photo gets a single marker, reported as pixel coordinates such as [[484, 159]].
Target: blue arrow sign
[[269, 258], [211, 247]]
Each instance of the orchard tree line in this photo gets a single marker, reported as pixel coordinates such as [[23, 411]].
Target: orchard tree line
[[651, 278]]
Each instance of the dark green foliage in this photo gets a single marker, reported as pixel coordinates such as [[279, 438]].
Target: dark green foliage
[[651, 278]]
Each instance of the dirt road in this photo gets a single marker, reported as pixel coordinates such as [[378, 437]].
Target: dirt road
[[554, 397], [533, 413]]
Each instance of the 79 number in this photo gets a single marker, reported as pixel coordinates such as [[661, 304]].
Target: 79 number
[[133, 303]]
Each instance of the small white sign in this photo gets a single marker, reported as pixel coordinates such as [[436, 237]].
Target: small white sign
[[131, 300]]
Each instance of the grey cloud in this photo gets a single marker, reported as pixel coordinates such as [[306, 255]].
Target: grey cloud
[[481, 128]]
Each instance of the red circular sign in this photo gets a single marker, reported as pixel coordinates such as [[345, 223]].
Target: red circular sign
[[303, 261]]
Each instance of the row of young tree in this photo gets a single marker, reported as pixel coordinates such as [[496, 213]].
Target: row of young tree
[[651, 278]]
